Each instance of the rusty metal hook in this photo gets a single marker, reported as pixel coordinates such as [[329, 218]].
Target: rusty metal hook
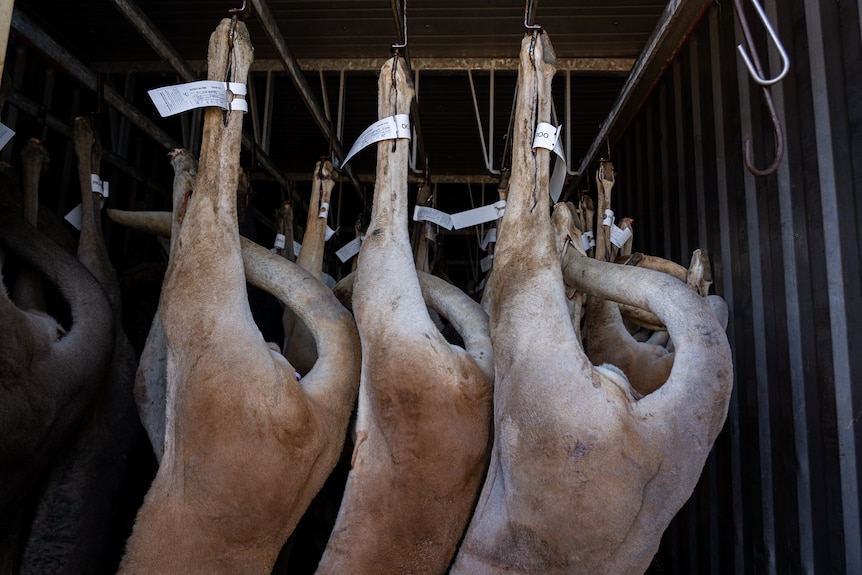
[[397, 47], [240, 13], [747, 155], [754, 68]]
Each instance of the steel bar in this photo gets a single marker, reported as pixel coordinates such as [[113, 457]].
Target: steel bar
[[671, 32], [372, 65], [31, 108], [22, 25], [167, 52], [268, 22]]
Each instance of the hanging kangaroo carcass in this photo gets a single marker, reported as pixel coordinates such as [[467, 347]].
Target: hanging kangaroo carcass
[[73, 528], [247, 446], [423, 418], [299, 346], [49, 375], [583, 477]]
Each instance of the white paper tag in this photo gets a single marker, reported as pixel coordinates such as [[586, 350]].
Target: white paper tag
[[430, 232], [546, 136], [75, 217], [95, 183], [609, 218], [558, 178], [349, 249], [485, 263], [491, 236], [481, 285], [397, 126], [329, 233], [324, 210], [171, 100], [296, 248], [620, 236], [106, 191], [6, 134], [279, 241], [588, 240], [426, 214], [478, 216]]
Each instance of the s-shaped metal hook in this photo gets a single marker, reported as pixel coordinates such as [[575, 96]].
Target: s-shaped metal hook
[[754, 69]]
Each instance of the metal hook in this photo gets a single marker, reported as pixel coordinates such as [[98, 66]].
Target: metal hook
[[747, 155], [529, 15], [403, 24], [240, 13], [754, 68]]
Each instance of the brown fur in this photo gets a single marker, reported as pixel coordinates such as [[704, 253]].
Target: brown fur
[[299, 348], [424, 406], [583, 478], [247, 446]]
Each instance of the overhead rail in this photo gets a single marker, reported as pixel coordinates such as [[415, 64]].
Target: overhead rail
[[167, 52], [37, 37], [268, 23], [674, 26], [372, 65]]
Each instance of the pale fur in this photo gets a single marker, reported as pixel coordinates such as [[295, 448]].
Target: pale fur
[[247, 446], [424, 406], [583, 477]]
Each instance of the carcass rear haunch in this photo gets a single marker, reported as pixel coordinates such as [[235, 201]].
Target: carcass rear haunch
[[583, 478], [424, 409], [247, 446]]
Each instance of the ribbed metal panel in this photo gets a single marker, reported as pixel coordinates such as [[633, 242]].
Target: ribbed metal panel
[[780, 493]]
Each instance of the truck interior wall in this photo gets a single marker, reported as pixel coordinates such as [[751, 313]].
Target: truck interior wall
[[780, 492]]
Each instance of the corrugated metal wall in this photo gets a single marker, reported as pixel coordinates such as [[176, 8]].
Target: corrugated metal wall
[[780, 493]]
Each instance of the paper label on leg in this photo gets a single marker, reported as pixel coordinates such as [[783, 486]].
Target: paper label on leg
[[349, 249], [478, 216], [329, 233], [391, 128], [171, 100], [486, 262], [426, 214], [490, 237], [279, 241], [6, 134], [74, 217], [588, 240], [620, 236]]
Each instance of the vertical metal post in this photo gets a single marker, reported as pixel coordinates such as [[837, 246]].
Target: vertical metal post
[[267, 113], [834, 255], [342, 94], [794, 342]]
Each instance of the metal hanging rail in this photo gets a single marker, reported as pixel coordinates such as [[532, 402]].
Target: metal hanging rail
[[87, 77], [268, 23], [167, 52]]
